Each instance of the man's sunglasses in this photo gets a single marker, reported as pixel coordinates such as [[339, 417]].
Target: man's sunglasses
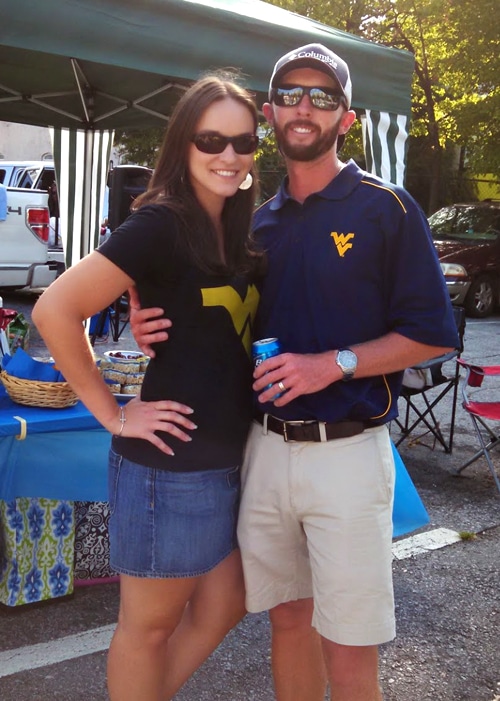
[[212, 142], [291, 95]]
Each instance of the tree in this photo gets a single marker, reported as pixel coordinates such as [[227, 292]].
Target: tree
[[455, 94], [476, 62], [451, 103], [139, 147]]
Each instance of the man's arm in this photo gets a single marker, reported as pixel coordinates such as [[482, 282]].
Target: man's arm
[[308, 373], [146, 327]]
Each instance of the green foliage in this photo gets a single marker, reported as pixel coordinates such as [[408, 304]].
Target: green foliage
[[270, 164], [139, 147], [353, 146], [455, 187], [456, 92]]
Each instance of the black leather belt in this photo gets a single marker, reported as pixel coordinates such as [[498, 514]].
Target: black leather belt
[[316, 431]]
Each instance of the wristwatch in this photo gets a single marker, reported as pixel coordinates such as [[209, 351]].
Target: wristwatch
[[347, 361]]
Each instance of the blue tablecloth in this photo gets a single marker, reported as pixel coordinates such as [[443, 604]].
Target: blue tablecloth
[[408, 512], [42, 420], [64, 454]]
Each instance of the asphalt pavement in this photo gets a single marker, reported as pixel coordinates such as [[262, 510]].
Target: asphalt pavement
[[448, 598]]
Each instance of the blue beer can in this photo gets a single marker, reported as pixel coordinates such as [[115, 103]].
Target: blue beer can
[[264, 349]]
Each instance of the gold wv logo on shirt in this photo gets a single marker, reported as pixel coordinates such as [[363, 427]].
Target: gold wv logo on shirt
[[242, 311], [342, 242]]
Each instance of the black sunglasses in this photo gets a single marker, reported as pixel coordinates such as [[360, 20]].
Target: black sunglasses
[[212, 142], [291, 95]]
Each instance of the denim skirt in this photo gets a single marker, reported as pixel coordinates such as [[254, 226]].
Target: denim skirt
[[170, 524]]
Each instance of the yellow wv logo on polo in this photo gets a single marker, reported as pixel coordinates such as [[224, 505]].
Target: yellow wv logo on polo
[[342, 242], [241, 311]]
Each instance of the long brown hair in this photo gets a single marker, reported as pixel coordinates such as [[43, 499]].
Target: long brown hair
[[170, 184]]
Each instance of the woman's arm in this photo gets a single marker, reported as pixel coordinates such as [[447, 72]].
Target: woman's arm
[[82, 291]]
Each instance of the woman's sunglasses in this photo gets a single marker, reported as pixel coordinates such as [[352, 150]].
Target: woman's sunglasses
[[210, 142], [290, 96]]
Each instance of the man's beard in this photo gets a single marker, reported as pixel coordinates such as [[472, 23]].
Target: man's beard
[[311, 152]]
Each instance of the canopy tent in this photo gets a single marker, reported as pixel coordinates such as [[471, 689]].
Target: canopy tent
[[86, 67]]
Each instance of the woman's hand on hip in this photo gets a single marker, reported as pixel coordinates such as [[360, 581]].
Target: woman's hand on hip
[[144, 419]]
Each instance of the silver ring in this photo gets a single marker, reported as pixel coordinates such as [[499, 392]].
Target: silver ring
[[281, 386]]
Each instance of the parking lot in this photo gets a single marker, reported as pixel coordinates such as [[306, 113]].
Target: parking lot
[[448, 598]]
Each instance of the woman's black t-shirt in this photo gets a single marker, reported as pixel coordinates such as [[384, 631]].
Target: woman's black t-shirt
[[206, 362]]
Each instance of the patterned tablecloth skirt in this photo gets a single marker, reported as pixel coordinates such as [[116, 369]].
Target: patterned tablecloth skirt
[[92, 542], [36, 550]]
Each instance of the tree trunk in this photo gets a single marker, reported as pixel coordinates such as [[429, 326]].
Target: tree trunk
[[435, 179]]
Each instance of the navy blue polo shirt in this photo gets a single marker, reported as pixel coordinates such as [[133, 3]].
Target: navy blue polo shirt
[[350, 264]]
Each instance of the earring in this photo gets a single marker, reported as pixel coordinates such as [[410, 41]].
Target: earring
[[247, 183]]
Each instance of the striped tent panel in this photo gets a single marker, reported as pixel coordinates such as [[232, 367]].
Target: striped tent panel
[[385, 140], [81, 162]]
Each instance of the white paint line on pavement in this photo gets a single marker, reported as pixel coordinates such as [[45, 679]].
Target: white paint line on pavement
[[96, 640], [423, 542], [54, 651]]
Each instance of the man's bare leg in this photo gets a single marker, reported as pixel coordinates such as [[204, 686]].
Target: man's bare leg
[[352, 672], [297, 660]]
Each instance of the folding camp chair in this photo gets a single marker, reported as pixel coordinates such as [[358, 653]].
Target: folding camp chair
[[433, 389], [481, 412], [110, 318]]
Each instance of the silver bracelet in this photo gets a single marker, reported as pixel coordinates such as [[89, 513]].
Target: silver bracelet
[[123, 419]]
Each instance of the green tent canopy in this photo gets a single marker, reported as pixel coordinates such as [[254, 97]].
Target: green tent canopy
[[87, 67]]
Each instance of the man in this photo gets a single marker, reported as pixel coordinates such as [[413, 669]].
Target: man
[[355, 294]]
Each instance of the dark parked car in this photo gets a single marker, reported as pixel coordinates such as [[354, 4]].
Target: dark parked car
[[467, 240]]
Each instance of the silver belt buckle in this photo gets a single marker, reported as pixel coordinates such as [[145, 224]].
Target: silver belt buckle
[[292, 423], [321, 429]]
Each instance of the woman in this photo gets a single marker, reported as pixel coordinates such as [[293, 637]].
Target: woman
[[175, 456]]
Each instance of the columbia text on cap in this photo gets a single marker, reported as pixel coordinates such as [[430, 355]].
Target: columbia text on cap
[[318, 57]]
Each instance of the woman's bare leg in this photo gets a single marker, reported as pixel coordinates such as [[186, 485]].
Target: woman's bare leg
[[216, 606], [150, 611], [168, 627]]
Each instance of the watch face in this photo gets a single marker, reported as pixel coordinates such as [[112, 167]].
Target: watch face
[[347, 361]]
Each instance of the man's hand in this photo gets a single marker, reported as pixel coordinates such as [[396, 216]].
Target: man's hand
[[297, 374], [146, 327], [308, 373]]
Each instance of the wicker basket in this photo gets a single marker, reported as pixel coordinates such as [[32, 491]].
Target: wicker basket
[[56, 395]]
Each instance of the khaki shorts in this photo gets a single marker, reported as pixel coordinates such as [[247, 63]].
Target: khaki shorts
[[316, 521]]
